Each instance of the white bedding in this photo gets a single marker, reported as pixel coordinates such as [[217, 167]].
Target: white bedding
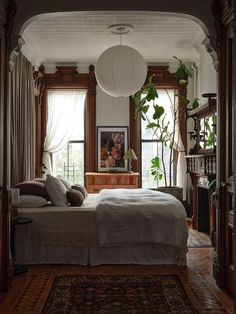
[[136, 216], [62, 226], [70, 235]]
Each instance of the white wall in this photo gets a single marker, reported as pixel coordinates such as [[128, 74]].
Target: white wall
[[207, 76], [111, 111]]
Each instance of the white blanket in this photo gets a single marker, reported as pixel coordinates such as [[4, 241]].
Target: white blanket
[[127, 217]]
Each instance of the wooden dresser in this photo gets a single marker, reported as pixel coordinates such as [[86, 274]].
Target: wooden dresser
[[96, 181]]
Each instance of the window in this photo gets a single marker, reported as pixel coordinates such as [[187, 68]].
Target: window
[[65, 133], [150, 147]]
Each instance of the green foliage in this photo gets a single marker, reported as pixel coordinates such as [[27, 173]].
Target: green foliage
[[183, 72], [210, 135], [145, 98], [156, 168], [195, 103]]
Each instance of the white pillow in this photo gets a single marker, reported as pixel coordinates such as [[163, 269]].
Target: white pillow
[[56, 191], [30, 201]]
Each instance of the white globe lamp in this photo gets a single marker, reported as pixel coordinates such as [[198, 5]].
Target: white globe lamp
[[120, 70]]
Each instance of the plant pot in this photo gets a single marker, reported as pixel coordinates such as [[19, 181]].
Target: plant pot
[[176, 191]]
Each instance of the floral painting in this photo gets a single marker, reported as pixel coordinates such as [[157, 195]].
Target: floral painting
[[112, 144]]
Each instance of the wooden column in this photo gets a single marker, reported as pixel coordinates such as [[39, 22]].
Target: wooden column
[[39, 88], [7, 11], [224, 262], [90, 137]]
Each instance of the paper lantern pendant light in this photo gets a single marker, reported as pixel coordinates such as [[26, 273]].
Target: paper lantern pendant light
[[120, 71]]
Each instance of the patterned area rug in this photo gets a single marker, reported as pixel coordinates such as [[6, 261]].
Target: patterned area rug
[[198, 239], [118, 295]]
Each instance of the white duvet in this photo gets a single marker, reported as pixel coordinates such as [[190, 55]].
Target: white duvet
[[125, 217]]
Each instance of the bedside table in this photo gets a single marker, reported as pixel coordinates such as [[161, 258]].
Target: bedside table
[[19, 269]]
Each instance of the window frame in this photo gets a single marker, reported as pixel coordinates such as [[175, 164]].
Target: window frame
[[67, 77], [162, 79]]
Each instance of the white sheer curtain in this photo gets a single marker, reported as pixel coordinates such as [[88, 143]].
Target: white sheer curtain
[[64, 108], [181, 177]]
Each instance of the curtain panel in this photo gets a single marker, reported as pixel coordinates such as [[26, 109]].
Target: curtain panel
[[22, 113], [64, 108], [181, 176]]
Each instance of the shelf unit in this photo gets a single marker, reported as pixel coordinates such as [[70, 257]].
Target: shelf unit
[[96, 181]]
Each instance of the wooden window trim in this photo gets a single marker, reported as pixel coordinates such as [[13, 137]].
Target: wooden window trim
[[66, 77], [162, 79]]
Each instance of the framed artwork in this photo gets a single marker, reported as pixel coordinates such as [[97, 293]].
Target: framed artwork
[[112, 143]]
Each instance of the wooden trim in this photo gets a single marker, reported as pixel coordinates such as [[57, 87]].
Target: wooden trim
[[225, 243], [39, 87], [6, 266], [90, 134], [135, 137], [67, 77]]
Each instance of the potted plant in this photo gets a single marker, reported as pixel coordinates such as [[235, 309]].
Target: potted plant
[[165, 132]]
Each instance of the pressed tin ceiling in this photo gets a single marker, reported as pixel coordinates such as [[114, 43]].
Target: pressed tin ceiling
[[81, 37]]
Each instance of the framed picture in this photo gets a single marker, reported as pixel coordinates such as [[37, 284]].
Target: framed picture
[[112, 142]]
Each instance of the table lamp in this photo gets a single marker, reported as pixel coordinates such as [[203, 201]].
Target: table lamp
[[130, 155]]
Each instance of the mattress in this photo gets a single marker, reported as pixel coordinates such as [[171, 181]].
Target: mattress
[[60, 226]]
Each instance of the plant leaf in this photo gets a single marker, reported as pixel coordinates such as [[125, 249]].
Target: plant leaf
[[152, 93], [195, 103], [152, 125], [159, 110]]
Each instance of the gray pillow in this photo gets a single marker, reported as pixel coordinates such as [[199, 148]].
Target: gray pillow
[[56, 191], [75, 198], [65, 182], [30, 201], [81, 188]]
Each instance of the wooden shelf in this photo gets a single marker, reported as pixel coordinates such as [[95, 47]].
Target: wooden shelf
[[96, 181]]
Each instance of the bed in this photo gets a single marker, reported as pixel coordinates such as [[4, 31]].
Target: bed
[[117, 226]]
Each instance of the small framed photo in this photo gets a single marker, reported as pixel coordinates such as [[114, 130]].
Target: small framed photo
[[112, 143]]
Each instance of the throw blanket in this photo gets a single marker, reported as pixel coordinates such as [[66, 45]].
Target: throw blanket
[[126, 217]]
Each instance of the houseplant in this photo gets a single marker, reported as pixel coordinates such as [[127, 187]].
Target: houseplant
[[165, 132]]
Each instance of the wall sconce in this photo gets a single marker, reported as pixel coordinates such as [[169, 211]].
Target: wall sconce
[[130, 155]]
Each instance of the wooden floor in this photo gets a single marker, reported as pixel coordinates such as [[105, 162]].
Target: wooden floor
[[30, 290]]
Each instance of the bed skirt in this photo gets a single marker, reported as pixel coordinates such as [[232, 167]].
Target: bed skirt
[[141, 255]]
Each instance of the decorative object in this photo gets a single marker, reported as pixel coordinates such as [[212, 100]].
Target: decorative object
[[130, 155], [118, 294], [120, 70], [111, 147]]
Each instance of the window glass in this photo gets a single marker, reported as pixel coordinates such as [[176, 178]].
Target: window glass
[[68, 162], [150, 145]]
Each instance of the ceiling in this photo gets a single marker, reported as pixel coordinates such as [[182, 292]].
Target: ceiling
[[81, 37]]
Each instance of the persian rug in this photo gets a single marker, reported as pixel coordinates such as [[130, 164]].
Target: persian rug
[[198, 239], [81, 294]]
